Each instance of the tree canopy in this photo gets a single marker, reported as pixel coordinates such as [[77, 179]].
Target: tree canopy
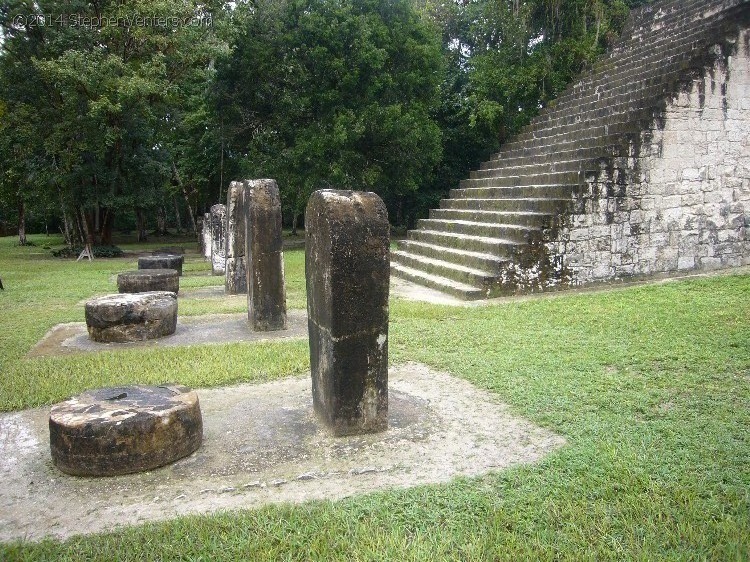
[[116, 114]]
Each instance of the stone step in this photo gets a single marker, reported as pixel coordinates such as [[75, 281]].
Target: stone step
[[499, 247], [617, 117], [585, 155], [459, 273], [659, 54], [536, 180], [525, 168], [569, 142], [591, 147], [533, 220], [539, 180], [526, 204], [516, 233], [476, 260], [492, 191], [454, 288], [628, 78], [591, 136]]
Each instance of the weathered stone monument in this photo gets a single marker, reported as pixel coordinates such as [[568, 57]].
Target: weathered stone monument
[[218, 238], [236, 267], [162, 261], [206, 236], [145, 280], [347, 275], [131, 317], [266, 291], [639, 168], [121, 430]]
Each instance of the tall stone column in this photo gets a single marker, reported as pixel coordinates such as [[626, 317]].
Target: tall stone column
[[206, 236], [347, 269], [266, 293], [218, 238], [235, 282]]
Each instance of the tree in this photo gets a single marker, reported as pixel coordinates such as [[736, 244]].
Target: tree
[[103, 79], [333, 93], [504, 61]]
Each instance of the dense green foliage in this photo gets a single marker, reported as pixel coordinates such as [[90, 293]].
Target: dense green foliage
[[134, 115], [650, 386], [333, 95]]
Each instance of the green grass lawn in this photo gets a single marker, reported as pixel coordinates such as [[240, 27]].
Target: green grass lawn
[[649, 385]]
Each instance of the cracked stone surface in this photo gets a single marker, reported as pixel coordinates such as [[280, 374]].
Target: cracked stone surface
[[262, 444], [128, 317], [124, 429]]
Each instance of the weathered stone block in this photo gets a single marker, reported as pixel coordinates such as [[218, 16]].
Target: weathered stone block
[[235, 282], [218, 238], [266, 291], [145, 280], [206, 236], [131, 316], [347, 273], [121, 430], [162, 261]]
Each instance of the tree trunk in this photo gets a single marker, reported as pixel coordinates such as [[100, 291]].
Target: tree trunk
[[107, 225], [177, 216], [21, 222], [161, 221], [67, 234], [140, 220], [221, 164], [295, 218], [181, 185], [89, 235]]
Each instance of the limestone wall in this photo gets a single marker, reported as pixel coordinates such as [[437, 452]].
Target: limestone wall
[[681, 201]]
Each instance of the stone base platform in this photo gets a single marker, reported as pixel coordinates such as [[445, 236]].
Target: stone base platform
[[71, 337], [439, 427]]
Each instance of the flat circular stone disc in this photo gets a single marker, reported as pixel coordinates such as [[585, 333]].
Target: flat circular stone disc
[[127, 429]]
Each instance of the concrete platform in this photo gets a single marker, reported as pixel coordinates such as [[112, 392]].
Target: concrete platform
[[72, 337], [261, 445]]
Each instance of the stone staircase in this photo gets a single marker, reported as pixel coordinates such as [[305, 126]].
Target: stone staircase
[[489, 237]]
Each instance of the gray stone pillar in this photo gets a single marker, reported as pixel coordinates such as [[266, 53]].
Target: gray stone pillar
[[218, 238], [235, 282], [206, 232], [266, 293], [347, 269]]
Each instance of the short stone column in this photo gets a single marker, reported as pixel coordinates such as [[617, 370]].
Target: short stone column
[[129, 317], [206, 236], [162, 261], [266, 293], [112, 431], [218, 238], [235, 282], [347, 269], [146, 280]]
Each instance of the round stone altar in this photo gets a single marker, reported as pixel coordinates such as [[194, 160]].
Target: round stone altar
[[161, 261], [145, 280], [120, 430], [129, 317]]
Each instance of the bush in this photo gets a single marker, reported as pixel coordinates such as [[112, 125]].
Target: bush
[[99, 252]]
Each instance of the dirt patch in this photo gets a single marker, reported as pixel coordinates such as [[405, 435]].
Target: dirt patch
[[66, 339], [262, 444]]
